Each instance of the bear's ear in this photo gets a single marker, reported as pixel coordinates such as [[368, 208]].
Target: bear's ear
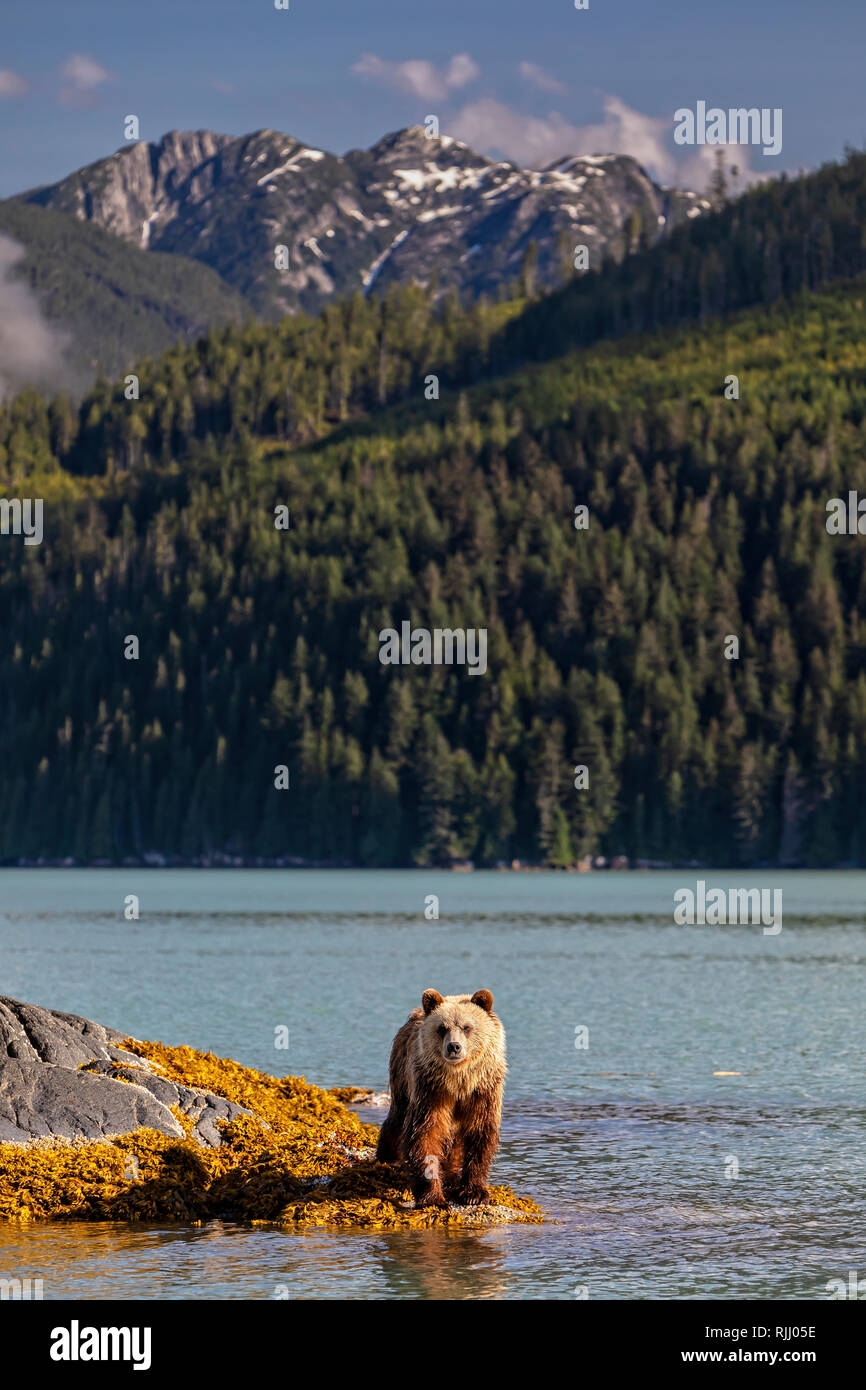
[[430, 1000], [484, 999]]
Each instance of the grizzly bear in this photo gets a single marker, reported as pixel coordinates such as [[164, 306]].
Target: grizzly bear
[[447, 1076]]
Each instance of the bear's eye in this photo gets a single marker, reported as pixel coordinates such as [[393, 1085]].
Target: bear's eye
[[442, 1030], [467, 1029]]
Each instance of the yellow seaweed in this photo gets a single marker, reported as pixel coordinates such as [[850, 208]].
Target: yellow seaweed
[[300, 1158]]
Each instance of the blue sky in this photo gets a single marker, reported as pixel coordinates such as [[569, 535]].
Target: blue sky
[[527, 79]]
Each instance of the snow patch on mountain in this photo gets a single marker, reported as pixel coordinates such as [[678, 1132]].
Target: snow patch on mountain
[[369, 279], [290, 164]]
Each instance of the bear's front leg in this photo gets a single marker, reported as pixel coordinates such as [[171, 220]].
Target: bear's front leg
[[480, 1141], [428, 1132], [388, 1143]]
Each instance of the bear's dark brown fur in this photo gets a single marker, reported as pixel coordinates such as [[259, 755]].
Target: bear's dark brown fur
[[447, 1076]]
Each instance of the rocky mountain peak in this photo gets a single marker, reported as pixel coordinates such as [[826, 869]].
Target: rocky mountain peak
[[408, 208]]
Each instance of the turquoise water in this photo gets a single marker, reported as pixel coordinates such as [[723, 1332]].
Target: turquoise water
[[628, 1143]]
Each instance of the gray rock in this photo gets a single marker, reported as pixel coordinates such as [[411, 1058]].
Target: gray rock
[[66, 1077], [46, 1035], [202, 1107], [44, 1101], [393, 214]]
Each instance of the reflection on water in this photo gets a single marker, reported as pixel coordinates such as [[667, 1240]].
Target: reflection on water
[[630, 1144], [640, 1203]]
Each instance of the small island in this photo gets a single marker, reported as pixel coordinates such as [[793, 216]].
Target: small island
[[96, 1125]]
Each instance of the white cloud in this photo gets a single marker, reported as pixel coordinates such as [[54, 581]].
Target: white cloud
[[11, 85], [626, 131], [461, 69], [83, 76], [31, 352], [419, 77], [491, 126], [539, 78]]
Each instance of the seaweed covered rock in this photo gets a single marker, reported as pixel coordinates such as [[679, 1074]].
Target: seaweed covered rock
[[67, 1077], [242, 1144]]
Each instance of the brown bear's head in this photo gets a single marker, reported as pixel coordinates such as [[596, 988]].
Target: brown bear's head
[[460, 1030]]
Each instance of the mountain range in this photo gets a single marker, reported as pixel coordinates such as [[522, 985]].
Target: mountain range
[[410, 209]]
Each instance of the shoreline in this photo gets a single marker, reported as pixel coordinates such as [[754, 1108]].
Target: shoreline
[[619, 865]]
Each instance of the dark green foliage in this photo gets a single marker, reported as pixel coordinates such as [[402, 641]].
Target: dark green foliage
[[606, 646], [114, 303]]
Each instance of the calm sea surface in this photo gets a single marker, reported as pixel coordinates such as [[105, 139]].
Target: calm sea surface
[[630, 1143]]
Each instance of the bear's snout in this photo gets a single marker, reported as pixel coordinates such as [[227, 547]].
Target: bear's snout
[[454, 1050]]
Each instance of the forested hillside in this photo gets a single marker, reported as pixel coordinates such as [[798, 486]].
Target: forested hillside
[[111, 302], [259, 647], [778, 239]]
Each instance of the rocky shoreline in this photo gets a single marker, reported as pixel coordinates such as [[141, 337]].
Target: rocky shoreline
[[97, 1125], [619, 863], [598, 863]]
